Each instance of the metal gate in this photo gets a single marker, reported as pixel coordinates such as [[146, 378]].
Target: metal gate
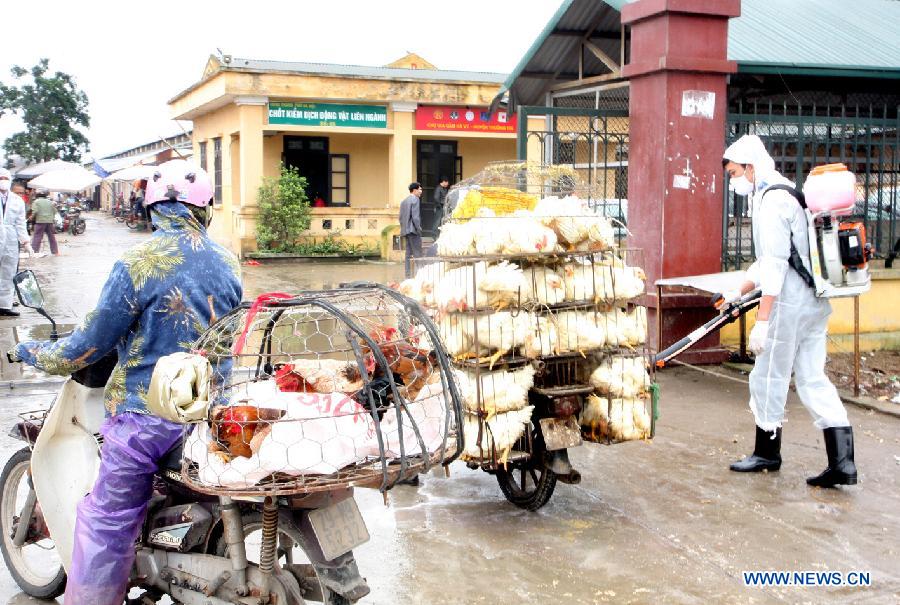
[[799, 137], [592, 141]]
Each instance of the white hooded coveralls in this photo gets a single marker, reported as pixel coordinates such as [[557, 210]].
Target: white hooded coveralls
[[798, 322], [12, 232]]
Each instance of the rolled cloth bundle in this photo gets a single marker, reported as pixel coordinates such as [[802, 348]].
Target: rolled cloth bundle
[[179, 387]]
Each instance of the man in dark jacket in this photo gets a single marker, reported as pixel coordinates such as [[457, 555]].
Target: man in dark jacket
[[411, 225]]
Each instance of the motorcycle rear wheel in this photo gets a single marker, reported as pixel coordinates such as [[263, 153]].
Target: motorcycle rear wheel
[[78, 226], [45, 579], [528, 483]]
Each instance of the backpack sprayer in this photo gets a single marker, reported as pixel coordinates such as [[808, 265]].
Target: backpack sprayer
[[838, 251]]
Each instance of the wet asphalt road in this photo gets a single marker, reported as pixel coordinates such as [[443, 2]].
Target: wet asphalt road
[[660, 522]]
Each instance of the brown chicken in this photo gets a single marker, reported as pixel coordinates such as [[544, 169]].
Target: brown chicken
[[239, 430], [413, 366], [319, 376]]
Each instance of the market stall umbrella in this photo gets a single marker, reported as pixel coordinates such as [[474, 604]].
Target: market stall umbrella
[[132, 173], [68, 181], [29, 172]]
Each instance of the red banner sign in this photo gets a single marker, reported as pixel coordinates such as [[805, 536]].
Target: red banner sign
[[463, 119]]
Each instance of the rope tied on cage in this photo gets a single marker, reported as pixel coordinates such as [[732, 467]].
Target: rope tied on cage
[[261, 301]]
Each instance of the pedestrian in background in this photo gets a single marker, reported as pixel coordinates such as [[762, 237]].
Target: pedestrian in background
[[411, 225], [43, 213], [12, 233]]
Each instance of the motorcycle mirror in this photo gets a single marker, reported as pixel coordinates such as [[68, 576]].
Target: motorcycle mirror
[[28, 289]]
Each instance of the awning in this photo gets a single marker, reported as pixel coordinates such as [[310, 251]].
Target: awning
[[67, 181], [132, 173], [29, 172]]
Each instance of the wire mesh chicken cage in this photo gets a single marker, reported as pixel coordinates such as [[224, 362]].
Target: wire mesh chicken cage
[[542, 313], [322, 390]]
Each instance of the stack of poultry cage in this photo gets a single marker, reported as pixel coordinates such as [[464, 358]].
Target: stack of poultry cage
[[539, 309]]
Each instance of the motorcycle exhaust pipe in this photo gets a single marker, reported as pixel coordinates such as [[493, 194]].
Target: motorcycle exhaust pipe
[[572, 478]]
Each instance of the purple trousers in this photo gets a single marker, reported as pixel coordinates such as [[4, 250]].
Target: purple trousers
[[39, 230], [109, 519]]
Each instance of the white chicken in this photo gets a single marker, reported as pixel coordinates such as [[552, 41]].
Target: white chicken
[[566, 216], [525, 234], [490, 233], [542, 339], [621, 376], [586, 281], [456, 239], [627, 282], [600, 235], [501, 286], [605, 419], [497, 434], [579, 331], [632, 326], [500, 391], [496, 334], [456, 340], [543, 285], [481, 286], [421, 287], [456, 289]]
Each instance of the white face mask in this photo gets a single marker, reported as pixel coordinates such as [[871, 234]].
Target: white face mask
[[741, 185], [4, 185]]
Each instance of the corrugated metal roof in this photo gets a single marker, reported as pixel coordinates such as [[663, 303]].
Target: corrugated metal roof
[[822, 34], [554, 50], [788, 36], [363, 71]]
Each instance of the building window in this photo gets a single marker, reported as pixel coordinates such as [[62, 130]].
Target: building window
[[203, 155], [217, 169], [327, 175], [340, 179]]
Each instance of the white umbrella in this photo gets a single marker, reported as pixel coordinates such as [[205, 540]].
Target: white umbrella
[[69, 181], [132, 173], [44, 167]]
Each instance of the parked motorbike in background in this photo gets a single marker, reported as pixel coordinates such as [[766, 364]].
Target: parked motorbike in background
[[68, 218], [193, 546]]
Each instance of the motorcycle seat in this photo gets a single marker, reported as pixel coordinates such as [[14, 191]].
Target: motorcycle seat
[[171, 460]]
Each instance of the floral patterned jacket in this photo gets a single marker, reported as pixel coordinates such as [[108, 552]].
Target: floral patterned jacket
[[160, 296]]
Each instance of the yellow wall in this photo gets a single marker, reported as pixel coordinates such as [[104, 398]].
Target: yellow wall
[[478, 152], [879, 322]]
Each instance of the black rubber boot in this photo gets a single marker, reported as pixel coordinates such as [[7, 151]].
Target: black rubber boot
[[766, 454], [841, 467]]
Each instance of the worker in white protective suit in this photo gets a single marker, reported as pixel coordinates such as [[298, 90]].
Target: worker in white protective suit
[[791, 323], [12, 233]]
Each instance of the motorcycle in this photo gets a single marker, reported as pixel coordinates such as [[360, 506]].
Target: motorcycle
[[68, 218], [193, 545], [136, 220]]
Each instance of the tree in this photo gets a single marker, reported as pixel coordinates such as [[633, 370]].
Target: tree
[[51, 106], [283, 210]]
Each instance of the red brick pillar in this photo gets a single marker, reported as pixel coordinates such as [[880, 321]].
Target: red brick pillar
[[677, 72]]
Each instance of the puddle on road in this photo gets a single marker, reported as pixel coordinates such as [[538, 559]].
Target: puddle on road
[[42, 331]]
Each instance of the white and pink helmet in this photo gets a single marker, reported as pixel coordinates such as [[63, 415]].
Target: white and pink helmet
[[179, 181]]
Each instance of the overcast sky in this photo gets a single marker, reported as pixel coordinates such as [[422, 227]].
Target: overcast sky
[[131, 57]]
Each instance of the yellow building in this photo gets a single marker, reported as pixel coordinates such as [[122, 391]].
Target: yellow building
[[359, 135]]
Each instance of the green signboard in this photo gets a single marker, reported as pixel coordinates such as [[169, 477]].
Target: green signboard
[[328, 114]]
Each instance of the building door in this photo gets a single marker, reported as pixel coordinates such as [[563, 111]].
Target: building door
[[309, 155], [434, 159]]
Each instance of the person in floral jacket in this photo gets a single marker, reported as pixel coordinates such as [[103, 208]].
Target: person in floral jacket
[[160, 296]]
